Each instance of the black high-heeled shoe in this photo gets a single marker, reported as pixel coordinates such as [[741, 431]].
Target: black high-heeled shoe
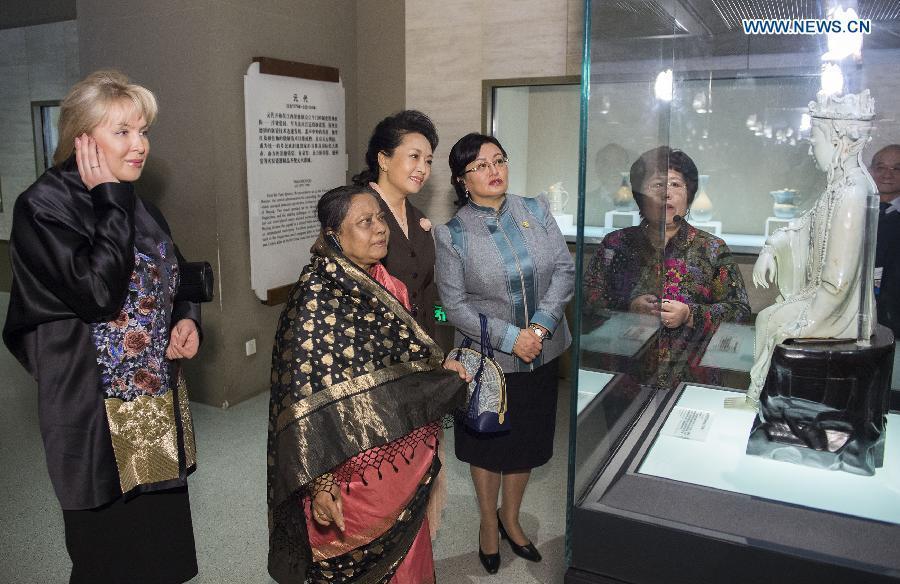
[[528, 551], [491, 562]]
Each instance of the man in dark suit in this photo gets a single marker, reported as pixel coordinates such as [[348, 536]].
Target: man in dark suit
[[885, 169]]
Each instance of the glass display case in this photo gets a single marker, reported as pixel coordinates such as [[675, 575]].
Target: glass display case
[[699, 154]]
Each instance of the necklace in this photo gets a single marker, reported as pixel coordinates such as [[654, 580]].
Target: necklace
[[820, 229], [399, 215]]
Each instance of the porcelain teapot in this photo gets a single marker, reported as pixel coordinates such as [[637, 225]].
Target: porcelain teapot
[[558, 198]]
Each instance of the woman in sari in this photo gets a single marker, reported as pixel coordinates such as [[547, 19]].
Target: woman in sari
[[357, 394]]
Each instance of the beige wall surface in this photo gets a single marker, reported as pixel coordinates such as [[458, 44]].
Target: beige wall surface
[[194, 56], [381, 68], [37, 63], [452, 46]]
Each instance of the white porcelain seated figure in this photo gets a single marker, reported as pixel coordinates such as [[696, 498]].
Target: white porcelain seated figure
[[817, 260]]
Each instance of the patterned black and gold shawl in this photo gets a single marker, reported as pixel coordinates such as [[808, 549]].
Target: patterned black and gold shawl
[[351, 369]]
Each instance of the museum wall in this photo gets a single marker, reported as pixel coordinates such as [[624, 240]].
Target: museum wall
[[452, 47], [37, 63], [381, 68], [194, 57]]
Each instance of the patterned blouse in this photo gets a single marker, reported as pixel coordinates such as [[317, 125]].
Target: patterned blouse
[[131, 349], [695, 268]]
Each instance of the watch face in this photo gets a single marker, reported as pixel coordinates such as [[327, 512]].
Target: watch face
[[539, 332]]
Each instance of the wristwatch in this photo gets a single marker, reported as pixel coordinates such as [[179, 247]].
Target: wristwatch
[[541, 333]]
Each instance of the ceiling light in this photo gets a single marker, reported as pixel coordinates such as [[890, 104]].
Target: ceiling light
[[832, 79], [663, 86], [844, 43]]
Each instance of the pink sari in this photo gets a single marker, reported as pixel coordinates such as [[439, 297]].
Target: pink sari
[[373, 507], [375, 498]]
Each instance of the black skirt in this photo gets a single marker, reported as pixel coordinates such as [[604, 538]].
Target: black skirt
[[531, 407], [149, 538]]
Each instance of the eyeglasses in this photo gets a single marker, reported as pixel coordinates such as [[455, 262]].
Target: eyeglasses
[[658, 187], [481, 167]]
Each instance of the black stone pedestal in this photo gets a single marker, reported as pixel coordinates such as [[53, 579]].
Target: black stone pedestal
[[825, 404]]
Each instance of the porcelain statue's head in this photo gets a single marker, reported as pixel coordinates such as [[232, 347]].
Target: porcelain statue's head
[[822, 147], [841, 125]]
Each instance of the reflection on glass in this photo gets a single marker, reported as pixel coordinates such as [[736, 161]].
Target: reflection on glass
[[662, 88], [680, 281], [738, 107], [728, 143], [847, 42], [832, 79]]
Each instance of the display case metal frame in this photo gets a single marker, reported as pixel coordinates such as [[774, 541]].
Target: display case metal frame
[[488, 86]]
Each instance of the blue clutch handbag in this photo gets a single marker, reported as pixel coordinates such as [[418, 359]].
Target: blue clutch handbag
[[485, 410]]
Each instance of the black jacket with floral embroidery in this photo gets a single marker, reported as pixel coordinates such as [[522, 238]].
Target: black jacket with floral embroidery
[[73, 258]]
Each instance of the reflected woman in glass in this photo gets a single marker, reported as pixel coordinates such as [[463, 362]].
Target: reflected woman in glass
[[665, 267]]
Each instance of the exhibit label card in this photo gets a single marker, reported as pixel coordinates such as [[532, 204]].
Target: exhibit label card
[[296, 151], [688, 423]]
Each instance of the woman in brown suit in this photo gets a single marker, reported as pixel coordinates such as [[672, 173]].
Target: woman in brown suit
[[399, 163]]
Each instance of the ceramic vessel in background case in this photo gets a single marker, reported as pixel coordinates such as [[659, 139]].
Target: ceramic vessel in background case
[[623, 199], [785, 203], [701, 208]]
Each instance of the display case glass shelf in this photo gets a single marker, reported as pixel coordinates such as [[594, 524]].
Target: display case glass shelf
[[703, 443], [666, 508]]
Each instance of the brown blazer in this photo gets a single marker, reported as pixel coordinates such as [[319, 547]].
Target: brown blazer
[[412, 261]]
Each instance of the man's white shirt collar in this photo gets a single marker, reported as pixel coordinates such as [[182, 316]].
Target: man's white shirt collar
[[894, 206]]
